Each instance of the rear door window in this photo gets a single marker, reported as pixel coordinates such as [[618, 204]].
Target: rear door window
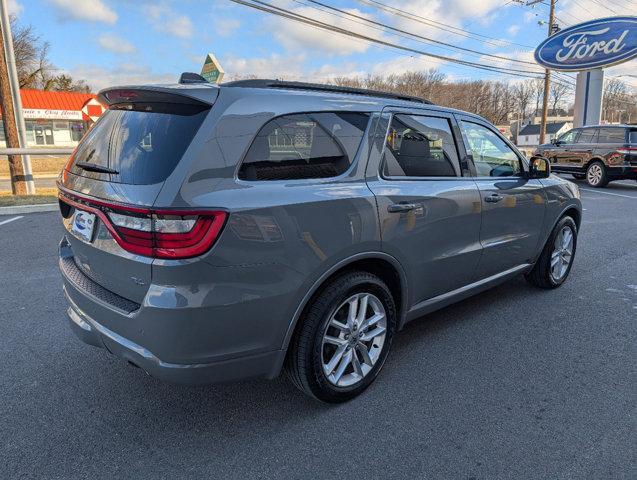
[[420, 146], [305, 145], [139, 143], [588, 135], [612, 135]]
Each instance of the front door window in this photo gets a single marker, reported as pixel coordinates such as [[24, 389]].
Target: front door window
[[492, 157]]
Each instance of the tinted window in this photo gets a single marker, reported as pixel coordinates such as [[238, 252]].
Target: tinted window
[[632, 136], [491, 155], [612, 135], [588, 135], [569, 137], [141, 142], [308, 145], [420, 146]]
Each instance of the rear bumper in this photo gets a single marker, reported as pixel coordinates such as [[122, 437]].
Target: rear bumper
[[188, 344], [265, 365]]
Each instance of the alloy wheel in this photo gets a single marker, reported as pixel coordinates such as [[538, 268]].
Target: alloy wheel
[[594, 174], [354, 339], [562, 253]]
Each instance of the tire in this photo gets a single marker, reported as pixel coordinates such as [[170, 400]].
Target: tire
[[596, 175], [310, 355], [579, 176], [542, 274]]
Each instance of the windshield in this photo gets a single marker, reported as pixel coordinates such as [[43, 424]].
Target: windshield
[[137, 143]]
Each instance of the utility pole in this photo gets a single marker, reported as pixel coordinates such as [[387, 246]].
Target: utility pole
[[9, 76], [16, 171], [547, 81]]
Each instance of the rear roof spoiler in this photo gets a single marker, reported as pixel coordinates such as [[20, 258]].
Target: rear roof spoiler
[[189, 94]]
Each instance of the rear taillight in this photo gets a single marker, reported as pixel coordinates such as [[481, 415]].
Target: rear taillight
[[157, 233], [627, 150]]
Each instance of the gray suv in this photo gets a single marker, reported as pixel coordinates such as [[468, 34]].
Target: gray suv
[[215, 233]]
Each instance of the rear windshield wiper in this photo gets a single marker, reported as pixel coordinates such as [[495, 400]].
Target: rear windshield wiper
[[91, 167]]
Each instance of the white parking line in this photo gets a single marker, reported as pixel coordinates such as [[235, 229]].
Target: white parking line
[[11, 220], [607, 193]]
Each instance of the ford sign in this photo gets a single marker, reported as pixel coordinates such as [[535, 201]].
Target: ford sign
[[594, 44]]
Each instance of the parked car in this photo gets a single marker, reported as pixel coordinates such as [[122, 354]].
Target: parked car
[[216, 233], [599, 154]]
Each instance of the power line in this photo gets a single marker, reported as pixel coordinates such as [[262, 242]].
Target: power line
[[439, 25], [263, 6], [414, 35]]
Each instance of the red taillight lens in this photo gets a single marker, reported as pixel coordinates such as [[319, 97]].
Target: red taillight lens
[[627, 151], [153, 232]]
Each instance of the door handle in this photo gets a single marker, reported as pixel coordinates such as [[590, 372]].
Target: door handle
[[494, 198], [401, 207]]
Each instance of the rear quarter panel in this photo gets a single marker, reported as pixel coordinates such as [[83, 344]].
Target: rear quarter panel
[[281, 236]]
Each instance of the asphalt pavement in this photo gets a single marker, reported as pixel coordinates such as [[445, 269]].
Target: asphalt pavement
[[515, 383]]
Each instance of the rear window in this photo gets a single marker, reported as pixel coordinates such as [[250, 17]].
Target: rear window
[[139, 143], [612, 135], [307, 145]]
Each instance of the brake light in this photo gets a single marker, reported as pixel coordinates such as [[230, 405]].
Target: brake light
[[627, 151], [157, 233]]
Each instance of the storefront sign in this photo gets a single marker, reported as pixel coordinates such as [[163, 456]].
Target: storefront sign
[[34, 113], [594, 44]]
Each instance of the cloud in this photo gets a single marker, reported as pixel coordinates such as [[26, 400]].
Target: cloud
[[15, 8], [272, 66], [295, 36], [226, 26], [583, 10], [286, 67], [91, 10], [404, 64], [513, 30], [165, 19], [99, 77], [115, 44]]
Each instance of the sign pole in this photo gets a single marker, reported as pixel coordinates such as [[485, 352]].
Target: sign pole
[[9, 56], [547, 81]]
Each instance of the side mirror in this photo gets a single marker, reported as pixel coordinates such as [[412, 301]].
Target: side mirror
[[555, 141], [539, 167]]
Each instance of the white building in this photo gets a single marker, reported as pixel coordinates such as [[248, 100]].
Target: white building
[[56, 119], [529, 135]]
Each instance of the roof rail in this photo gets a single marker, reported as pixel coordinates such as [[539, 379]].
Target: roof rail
[[263, 83], [190, 77]]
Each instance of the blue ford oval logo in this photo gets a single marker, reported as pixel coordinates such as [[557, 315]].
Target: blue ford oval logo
[[594, 44]]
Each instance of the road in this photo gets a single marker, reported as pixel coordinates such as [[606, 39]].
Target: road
[[515, 383]]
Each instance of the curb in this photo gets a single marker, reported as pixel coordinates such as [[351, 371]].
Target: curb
[[19, 209]]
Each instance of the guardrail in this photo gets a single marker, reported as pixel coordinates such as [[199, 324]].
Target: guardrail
[[36, 151]]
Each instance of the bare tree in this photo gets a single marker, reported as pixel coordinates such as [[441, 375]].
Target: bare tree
[[618, 103], [557, 95], [33, 65]]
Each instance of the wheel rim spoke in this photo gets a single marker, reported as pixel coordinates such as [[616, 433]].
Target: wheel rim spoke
[[338, 356], [373, 333], [362, 349], [345, 361], [334, 340], [371, 321]]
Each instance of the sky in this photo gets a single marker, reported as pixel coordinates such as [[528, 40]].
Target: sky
[[114, 42]]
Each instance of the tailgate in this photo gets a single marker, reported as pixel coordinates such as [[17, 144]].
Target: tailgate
[[123, 162]]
